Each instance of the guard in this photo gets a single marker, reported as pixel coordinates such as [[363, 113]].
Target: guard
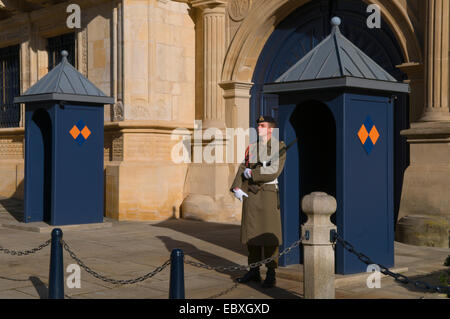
[[256, 185]]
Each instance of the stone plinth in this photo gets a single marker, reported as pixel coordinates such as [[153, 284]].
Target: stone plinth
[[424, 215]]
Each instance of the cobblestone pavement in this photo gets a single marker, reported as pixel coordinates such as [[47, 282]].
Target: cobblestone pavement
[[127, 250]]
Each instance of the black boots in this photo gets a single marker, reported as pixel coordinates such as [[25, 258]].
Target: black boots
[[252, 275], [270, 278]]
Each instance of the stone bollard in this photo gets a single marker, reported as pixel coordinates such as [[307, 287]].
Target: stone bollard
[[318, 258]]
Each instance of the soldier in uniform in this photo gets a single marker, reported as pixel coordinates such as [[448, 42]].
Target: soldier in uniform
[[256, 185]]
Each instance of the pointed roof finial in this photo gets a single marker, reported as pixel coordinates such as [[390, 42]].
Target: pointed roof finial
[[336, 21], [64, 54]]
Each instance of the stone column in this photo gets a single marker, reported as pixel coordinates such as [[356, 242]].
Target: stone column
[[212, 15], [318, 264], [437, 61], [424, 215]]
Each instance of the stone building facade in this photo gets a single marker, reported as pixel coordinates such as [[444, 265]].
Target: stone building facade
[[168, 63]]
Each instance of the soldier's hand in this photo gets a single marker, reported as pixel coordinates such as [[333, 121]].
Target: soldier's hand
[[248, 173], [239, 194]]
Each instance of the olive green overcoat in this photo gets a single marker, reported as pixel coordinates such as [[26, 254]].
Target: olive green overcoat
[[261, 220]]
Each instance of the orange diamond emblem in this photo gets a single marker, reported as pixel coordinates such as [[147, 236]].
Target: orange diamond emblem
[[362, 134], [74, 132], [374, 135], [86, 132]]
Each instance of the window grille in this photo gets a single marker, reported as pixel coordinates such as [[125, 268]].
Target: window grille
[[56, 44], [9, 86]]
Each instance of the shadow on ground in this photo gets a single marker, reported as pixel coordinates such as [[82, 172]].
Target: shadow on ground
[[224, 235], [12, 206], [192, 252], [40, 287], [436, 278]]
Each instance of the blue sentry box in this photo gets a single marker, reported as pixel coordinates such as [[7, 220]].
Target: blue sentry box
[[64, 148], [64, 163], [363, 181], [338, 102]]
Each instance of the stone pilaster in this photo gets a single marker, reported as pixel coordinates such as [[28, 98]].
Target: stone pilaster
[[237, 109], [424, 218], [212, 15], [437, 61]]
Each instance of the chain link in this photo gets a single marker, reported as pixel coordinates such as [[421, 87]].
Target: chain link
[[243, 267], [25, 252], [110, 280], [224, 292], [385, 271]]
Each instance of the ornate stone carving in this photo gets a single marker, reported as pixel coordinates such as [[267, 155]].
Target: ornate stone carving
[[118, 111], [117, 147], [238, 9], [11, 147]]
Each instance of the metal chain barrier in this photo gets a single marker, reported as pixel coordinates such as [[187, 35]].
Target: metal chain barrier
[[384, 270], [110, 280], [25, 252], [243, 267], [224, 292], [240, 267]]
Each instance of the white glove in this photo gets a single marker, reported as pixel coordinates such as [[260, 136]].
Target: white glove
[[248, 173], [239, 193]]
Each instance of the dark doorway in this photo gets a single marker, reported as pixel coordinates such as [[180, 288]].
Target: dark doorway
[[43, 162], [315, 128]]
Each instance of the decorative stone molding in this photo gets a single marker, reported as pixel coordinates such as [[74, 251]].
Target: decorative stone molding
[[238, 9], [12, 143]]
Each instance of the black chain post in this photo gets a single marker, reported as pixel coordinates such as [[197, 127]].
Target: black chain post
[[56, 277], [176, 290]]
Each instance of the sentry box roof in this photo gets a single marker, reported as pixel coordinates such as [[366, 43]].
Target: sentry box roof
[[64, 83], [336, 62]]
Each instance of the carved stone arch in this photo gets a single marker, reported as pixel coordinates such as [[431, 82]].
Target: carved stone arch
[[247, 44]]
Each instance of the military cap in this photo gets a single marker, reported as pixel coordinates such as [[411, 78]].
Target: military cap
[[266, 118]]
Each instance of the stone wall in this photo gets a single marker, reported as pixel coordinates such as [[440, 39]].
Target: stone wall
[[11, 162]]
